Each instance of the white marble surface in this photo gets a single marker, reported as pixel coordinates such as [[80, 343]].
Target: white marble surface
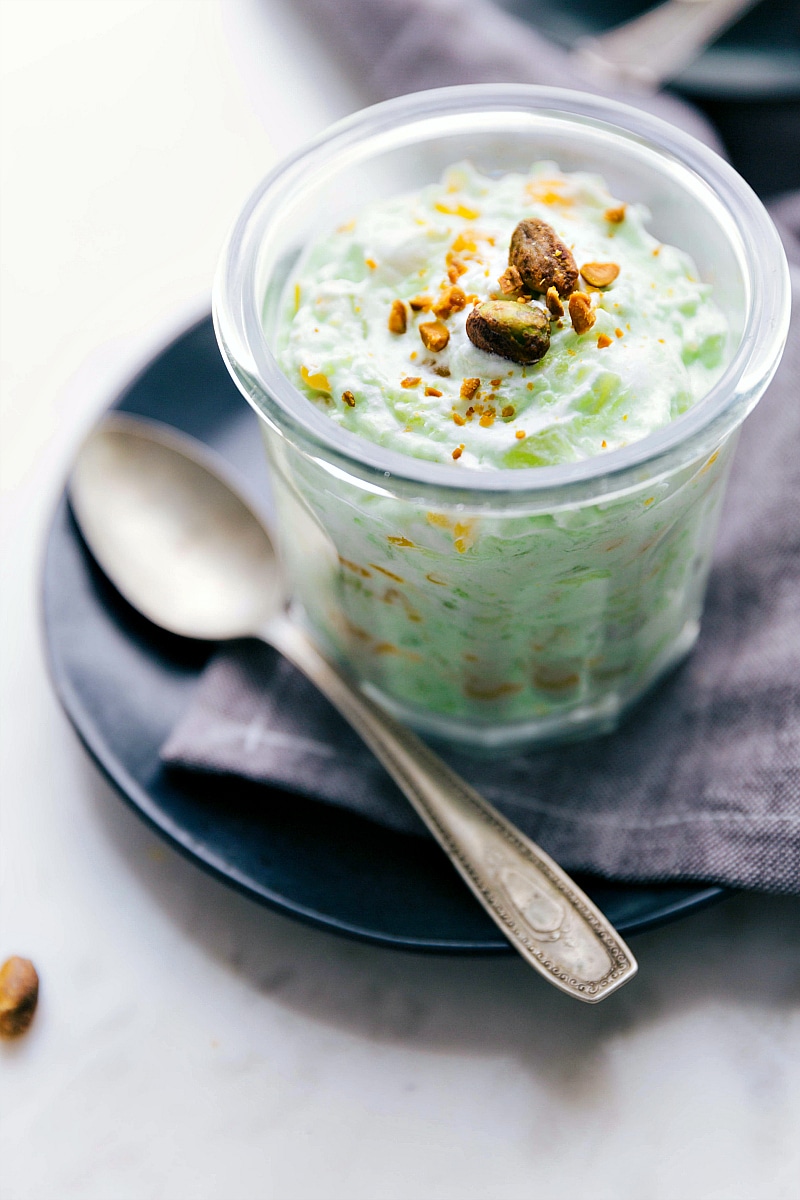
[[190, 1045]]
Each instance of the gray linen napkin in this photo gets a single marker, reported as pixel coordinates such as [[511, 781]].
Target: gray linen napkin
[[703, 780]]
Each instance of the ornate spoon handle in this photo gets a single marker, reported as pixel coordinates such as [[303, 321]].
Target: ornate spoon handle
[[542, 912]]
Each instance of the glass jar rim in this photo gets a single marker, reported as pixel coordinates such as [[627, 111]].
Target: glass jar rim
[[243, 340]]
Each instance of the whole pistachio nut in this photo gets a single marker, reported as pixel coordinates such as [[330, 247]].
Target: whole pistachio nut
[[541, 258], [519, 332], [19, 991]]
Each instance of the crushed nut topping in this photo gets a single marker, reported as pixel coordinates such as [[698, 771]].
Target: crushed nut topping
[[421, 304], [452, 300], [469, 387], [541, 258], [520, 434], [397, 317], [459, 450], [410, 381], [616, 215], [580, 312], [435, 335], [510, 281], [553, 302], [508, 411], [19, 992], [349, 399], [603, 341], [458, 419], [432, 391], [599, 275]]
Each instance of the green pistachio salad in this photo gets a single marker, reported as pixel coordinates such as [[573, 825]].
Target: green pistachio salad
[[486, 323], [518, 321]]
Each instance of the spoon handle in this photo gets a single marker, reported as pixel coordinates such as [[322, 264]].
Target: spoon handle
[[543, 913]]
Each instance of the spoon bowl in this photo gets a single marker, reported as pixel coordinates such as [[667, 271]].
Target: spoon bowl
[[178, 541]]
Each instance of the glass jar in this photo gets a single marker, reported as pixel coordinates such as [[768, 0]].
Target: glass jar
[[503, 608]]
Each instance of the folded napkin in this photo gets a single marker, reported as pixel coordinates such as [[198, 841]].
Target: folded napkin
[[703, 779]]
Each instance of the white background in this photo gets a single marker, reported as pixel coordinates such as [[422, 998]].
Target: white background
[[188, 1044]]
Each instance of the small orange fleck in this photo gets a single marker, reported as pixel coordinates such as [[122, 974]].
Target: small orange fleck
[[355, 568], [410, 381], [459, 450], [371, 263], [604, 444], [656, 252], [390, 574], [458, 210], [547, 191], [458, 419], [315, 380], [452, 300], [469, 387], [488, 418], [580, 312], [520, 434], [482, 691], [619, 333], [603, 341], [349, 399], [661, 340], [435, 335], [438, 582], [397, 317], [625, 417], [508, 411], [400, 541], [649, 500], [710, 462], [553, 302], [432, 391], [439, 520], [616, 215], [421, 303]]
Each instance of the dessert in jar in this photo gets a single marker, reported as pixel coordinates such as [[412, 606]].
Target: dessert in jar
[[526, 320], [487, 327]]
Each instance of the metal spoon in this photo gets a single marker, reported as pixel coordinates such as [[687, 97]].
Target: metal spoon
[[187, 551], [657, 45]]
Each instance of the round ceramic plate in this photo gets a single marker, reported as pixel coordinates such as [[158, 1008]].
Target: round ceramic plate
[[124, 683]]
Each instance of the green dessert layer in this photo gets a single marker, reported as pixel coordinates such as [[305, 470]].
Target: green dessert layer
[[374, 325]]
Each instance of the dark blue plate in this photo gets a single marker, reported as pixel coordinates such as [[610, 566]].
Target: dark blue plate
[[123, 684]]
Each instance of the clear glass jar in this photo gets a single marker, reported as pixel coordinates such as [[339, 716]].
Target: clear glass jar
[[508, 607]]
